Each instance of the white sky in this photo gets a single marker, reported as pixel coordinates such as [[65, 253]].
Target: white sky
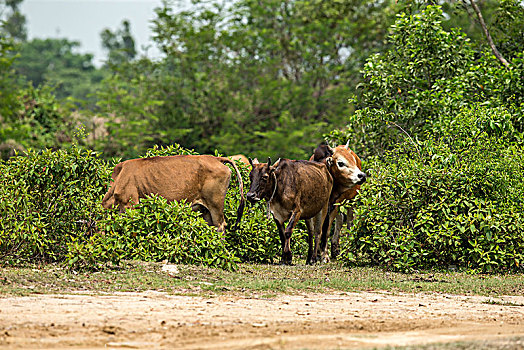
[[83, 20]]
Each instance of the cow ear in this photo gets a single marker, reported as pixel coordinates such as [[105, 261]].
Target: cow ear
[[254, 162]]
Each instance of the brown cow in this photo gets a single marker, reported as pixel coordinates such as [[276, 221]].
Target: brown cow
[[346, 169], [294, 190], [202, 180]]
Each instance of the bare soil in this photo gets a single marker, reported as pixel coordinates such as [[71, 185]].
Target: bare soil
[[300, 321]]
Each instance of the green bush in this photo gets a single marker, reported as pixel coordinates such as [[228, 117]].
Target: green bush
[[50, 204], [47, 200], [453, 199], [156, 230]]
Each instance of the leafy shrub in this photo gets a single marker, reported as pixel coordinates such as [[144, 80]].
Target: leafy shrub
[[405, 83], [171, 150], [453, 199], [47, 200], [155, 230], [50, 209], [51, 212]]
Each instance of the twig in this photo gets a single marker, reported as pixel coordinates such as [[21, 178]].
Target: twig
[[409, 137]]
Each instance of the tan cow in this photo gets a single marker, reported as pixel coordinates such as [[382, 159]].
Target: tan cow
[[202, 180], [346, 169], [240, 157]]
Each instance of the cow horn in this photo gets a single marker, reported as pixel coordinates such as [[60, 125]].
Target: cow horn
[[268, 161], [250, 161], [347, 145]]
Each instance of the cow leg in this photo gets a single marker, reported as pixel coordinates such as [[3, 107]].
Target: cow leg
[[213, 197], [126, 201], [206, 215], [335, 238], [349, 218], [286, 255], [326, 229], [217, 215], [311, 226], [280, 229], [339, 223], [215, 205]]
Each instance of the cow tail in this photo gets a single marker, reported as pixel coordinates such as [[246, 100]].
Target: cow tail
[[109, 199], [240, 209]]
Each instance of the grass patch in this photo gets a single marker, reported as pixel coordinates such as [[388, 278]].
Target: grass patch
[[502, 303], [513, 343], [264, 280]]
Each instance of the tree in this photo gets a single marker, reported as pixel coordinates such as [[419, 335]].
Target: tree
[[508, 27], [8, 87], [55, 62], [404, 84], [234, 75], [120, 44], [14, 22]]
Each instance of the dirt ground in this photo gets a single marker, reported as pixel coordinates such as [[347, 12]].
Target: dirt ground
[[301, 321]]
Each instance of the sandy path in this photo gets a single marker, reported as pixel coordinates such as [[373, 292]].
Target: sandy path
[[313, 321]]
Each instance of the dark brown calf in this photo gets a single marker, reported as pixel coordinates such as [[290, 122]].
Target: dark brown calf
[[294, 190], [202, 180]]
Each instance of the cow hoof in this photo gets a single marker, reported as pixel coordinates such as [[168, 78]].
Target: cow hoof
[[312, 260], [325, 259], [287, 258]]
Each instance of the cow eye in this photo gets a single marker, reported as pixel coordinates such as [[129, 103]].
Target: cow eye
[[341, 164], [265, 177]]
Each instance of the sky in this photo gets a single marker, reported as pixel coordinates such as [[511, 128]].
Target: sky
[[83, 20]]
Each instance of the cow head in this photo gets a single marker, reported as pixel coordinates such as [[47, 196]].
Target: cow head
[[263, 179], [345, 167]]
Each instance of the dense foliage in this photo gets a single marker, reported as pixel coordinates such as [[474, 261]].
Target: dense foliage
[[447, 187], [51, 212], [453, 200], [435, 116], [47, 201]]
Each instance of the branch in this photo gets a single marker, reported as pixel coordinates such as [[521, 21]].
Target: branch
[[488, 36], [406, 133]]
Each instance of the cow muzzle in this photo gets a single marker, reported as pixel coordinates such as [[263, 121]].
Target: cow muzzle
[[361, 178], [252, 197]]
